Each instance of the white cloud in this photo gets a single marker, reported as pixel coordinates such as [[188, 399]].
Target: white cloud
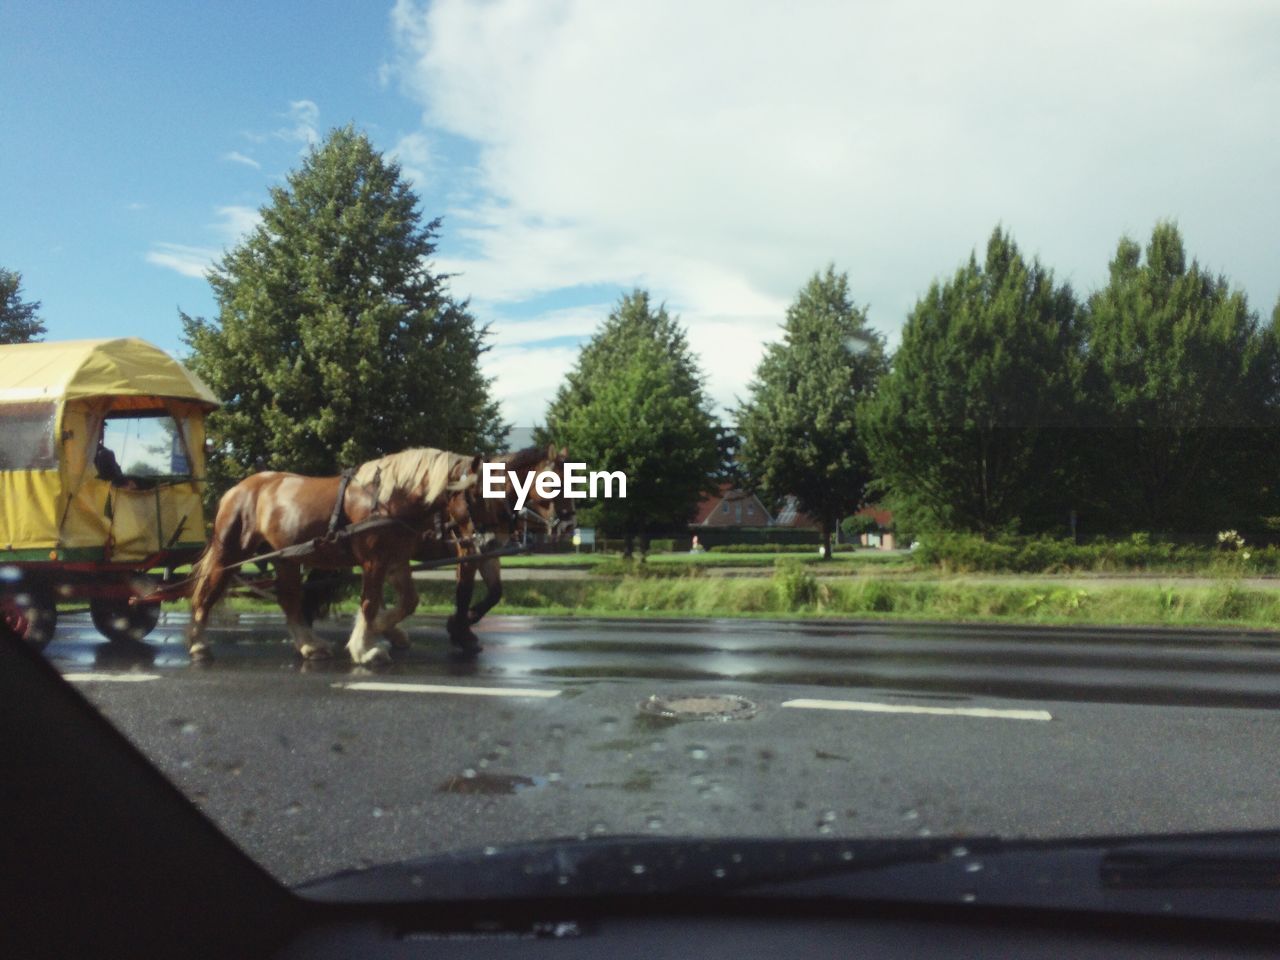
[[526, 378], [235, 156], [304, 117], [552, 325], [413, 153], [186, 260], [720, 152], [234, 223]]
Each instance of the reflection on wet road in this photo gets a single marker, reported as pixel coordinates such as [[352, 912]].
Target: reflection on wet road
[[942, 662]]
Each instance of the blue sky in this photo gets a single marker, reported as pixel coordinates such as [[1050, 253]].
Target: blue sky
[[715, 152]]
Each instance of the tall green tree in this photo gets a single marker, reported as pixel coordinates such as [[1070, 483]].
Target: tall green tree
[[1182, 381], [798, 426], [19, 320], [969, 430], [635, 402], [335, 342]]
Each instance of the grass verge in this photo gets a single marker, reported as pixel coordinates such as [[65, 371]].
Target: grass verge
[[795, 593]]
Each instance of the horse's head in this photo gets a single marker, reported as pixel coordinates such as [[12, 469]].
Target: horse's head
[[557, 513], [551, 513]]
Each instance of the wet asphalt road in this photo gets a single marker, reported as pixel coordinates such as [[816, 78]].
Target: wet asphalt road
[[1024, 732]]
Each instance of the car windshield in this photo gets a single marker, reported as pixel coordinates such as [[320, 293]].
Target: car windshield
[[489, 425]]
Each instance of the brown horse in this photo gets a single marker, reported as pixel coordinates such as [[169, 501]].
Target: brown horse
[[276, 510], [475, 524]]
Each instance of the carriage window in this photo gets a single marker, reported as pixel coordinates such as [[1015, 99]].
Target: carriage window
[[148, 445], [27, 436]]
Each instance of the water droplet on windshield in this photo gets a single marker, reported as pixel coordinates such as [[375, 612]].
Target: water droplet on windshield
[[654, 823], [557, 731], [599, 829], [554, 776], [969, 896], [697, 779], [562, 880], [909, 814], [924, 832], [416, 879], [490, 851], [189, 729], [736, 858], [719, 873], [469, 773], [638, 868], [608, 724], [658, 746], [698, 752], [959, 851], [973, 867], [378, 812], [846, 855], [293, 809]]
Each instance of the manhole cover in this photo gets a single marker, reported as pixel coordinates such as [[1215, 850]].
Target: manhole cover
[[713, 707]]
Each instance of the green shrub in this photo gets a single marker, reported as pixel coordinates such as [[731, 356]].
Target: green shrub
[[795, 585], [962, 553]]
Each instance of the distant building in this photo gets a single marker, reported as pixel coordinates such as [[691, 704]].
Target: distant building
[[731, 507], [884, 538], [790, 515]]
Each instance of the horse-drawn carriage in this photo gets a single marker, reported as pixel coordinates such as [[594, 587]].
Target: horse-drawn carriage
[[101, 467]]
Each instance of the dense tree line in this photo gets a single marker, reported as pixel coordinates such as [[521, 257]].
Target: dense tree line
[[1012, 406]]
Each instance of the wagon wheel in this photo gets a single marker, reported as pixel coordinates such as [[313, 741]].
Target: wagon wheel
[[122, 622], [32, 614]]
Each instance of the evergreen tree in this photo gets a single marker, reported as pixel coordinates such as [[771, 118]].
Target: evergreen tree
[[635, 402], [335, 342], [19, 321], [1182, 386], [969, 430], [798, 426]]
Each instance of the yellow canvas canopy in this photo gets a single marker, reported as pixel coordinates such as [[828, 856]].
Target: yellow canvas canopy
[[76, 369], [56, 402]]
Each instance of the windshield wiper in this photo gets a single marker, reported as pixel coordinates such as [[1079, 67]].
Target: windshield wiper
[[1219, 876], [1241, 862]]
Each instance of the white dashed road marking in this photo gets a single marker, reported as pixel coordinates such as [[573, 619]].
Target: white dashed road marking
[[866, 707], [109, 677], [378, 685]]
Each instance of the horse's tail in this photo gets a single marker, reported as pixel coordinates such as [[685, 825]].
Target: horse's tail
[[227, 535]]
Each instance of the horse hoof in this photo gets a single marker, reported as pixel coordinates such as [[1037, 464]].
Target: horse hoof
[[399, 639], [378, 653], [466, 642], [200, 653], [315, 651]]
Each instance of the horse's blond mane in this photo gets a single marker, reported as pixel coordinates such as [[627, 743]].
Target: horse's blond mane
[[424, 471]]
